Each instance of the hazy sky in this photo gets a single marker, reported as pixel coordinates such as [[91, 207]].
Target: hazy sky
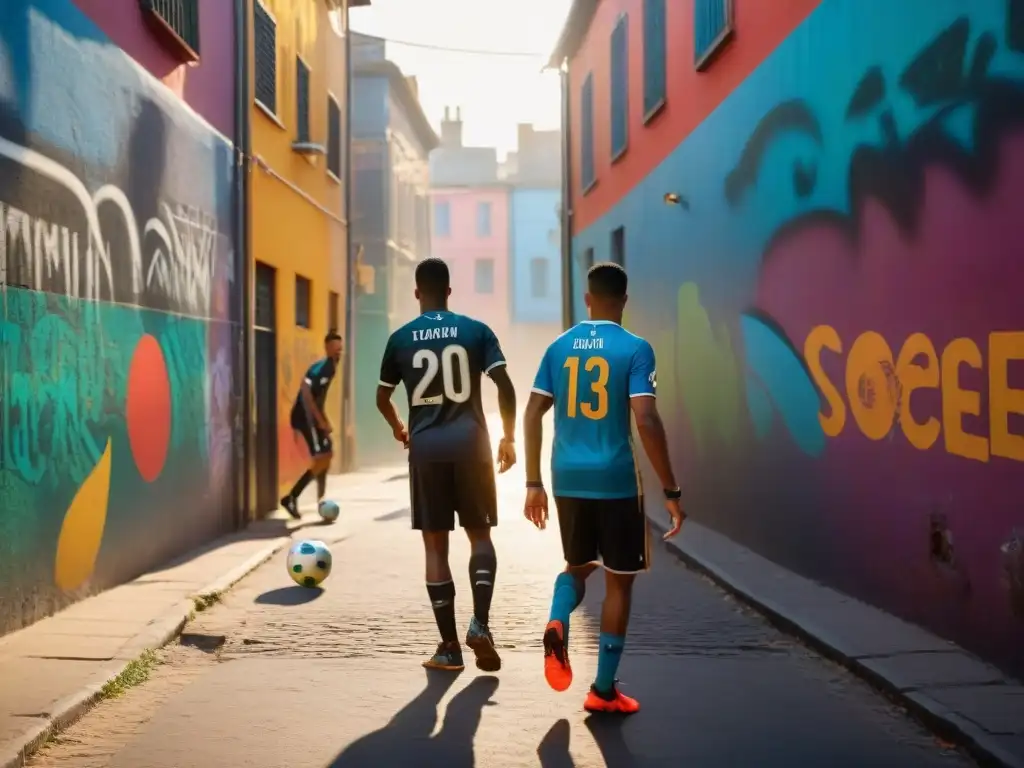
[[495, 92]]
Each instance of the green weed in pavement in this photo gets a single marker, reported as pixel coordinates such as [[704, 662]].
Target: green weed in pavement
[[136, 673]]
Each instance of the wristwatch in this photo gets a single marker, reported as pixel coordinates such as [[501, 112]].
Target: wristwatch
[[673, 494], [535, 484]]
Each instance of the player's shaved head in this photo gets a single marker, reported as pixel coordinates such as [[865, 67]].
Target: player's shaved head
[[433, 282], [606, 291]]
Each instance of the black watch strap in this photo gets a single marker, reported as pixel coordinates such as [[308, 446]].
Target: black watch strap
[[673, 494], [535, 484]]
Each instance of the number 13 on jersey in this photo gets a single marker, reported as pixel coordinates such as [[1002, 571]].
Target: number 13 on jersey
[[596, 405]]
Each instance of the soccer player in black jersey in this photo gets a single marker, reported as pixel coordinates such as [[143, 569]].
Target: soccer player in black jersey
[[309, 420], [440, 357]]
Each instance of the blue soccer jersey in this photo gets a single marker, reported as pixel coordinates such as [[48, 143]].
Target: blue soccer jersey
[[592, 371]]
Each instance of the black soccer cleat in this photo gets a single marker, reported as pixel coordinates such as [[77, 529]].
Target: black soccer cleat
[[291, 506]]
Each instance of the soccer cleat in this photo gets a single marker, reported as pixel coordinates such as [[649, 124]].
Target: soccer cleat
[[447, 657], [480, 640], [557, 670], [614, 701], [291, 506]]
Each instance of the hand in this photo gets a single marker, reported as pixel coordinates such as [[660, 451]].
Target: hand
[[506, 455], [401, 434], [536, 508], [675, 511]]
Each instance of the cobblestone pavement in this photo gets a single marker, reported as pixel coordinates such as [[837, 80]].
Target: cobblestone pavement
[[277, 676]]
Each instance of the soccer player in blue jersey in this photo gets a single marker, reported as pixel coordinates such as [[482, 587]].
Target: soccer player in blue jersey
[[596, 375], [308, 419], [440, 357]]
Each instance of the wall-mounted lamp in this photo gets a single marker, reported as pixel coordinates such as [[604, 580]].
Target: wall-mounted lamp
[[674, 198]]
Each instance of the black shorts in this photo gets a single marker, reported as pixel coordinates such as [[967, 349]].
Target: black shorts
[[318, 442], [612, 532], [441, 489]]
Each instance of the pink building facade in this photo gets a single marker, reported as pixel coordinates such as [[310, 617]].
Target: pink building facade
[[204, 79], [470, 232]]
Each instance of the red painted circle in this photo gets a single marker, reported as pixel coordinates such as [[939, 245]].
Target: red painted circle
[[148, 410]]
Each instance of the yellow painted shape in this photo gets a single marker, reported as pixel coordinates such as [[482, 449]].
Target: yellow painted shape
[[82, 532]]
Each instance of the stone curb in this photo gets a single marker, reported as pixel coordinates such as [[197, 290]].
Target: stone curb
[[17, 751], [941, 720]]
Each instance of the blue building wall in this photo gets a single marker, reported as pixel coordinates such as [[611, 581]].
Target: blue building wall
[[118, 322], [535, 230], [852, 227]]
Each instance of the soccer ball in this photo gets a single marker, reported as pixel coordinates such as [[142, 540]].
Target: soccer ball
[[309, 563], [328, 510]]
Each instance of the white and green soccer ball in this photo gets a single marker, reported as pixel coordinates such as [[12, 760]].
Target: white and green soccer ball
[[328, 510], [309, 563]]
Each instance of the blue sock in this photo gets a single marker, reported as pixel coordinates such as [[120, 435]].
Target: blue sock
[[608, 656], [564, 602]]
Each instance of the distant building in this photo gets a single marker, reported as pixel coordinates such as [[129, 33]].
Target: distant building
[[392, 139]]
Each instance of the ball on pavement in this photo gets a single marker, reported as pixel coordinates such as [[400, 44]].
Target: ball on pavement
[[309, 563], [328, 510]]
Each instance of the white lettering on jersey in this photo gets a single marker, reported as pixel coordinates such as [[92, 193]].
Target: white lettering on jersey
[[429, 334], [588, 343]]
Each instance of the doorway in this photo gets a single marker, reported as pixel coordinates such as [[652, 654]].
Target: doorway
[[266, 389]]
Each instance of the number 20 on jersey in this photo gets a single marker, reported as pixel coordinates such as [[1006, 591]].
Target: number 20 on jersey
[[596, 405]]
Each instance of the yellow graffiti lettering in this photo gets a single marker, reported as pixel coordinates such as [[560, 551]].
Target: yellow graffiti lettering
[[1002, 348], [912, 376], [871, 387], [825, 337], [958, 402]]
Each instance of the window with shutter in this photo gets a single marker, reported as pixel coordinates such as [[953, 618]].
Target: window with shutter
[[587, 176], [301, 101], [620, 87], [334, 147], [265, 50], [712, 28], [655, 44], [180, 18]]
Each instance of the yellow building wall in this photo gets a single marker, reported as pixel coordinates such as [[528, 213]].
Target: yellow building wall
[[297, 208]]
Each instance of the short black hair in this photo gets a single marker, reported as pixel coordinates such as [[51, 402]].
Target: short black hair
[[432, 277], [607, 280], [332, 335]]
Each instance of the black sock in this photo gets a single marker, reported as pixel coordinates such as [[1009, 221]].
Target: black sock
[[300, 486], [321, 486], [482, 568], [442, 600]]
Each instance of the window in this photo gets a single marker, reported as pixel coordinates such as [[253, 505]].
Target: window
[[654, 57], [266, 277], [301, 100], [302, 301], [619, 246], [265, 48], [587, 177], [588, 259], [178, 17], [442, 218], [483, 219], [332, 311], [712, 27], [539, 278], [334, 137], [483, 275], [620, 88]]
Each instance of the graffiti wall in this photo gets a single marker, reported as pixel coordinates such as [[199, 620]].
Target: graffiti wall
[[117, 350], [844, 376]]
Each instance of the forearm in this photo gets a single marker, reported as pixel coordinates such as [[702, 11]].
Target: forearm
[[652, 435], [389, 412], [533, 432], [311, 406], [507, 408]]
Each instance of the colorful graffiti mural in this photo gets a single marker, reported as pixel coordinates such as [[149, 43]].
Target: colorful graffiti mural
[[117, 412], [846, 368]]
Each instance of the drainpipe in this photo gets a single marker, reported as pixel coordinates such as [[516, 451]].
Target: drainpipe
[[348, 455], [243, 267], [567, 214]]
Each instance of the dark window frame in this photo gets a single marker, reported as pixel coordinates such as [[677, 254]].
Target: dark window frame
[[709, 37], [655, 55], [265, 86], [303, 301], [303, 108], [618, 101], [333, 310], [334, 139], [588, 173], [617, 246], [178, 23]]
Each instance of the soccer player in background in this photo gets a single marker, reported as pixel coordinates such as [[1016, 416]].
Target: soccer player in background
[[308, 419], [440, 357], [595, 375]]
